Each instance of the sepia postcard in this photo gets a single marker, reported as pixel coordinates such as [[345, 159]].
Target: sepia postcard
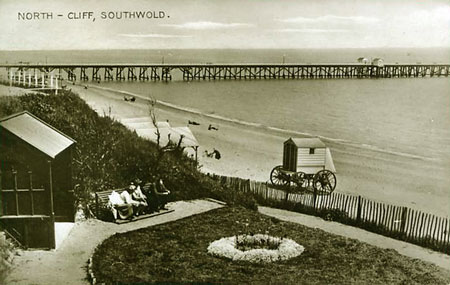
[[235, 141]]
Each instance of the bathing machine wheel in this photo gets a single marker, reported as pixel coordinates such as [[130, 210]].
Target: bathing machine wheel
[[279, 177], [324, 181]]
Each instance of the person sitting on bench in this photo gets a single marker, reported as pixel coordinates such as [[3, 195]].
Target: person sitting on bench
[[139, 196], [157, 194], [162, 193], [138, 206], [118, 207]]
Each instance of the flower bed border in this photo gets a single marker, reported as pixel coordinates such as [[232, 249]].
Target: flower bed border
[[226, 247]]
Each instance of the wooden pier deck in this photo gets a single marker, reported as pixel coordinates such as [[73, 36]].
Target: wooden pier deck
[[225, 71]]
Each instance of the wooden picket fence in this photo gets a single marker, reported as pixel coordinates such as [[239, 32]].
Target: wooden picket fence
[[398, 222]]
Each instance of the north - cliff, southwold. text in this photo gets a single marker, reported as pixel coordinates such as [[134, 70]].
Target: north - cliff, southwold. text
[[90, 15]]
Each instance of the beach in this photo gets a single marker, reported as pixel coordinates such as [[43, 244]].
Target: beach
[[251, 152]]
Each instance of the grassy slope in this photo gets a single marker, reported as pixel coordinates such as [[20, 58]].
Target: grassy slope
[[108, 155], [177, 252]]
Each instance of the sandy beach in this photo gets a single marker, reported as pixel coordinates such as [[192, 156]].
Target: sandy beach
[[252, 152]]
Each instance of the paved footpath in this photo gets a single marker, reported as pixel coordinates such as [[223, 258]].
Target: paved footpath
[[67, 264], [401, 247]]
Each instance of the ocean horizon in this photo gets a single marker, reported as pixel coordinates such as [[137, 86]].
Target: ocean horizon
[[307, 55]]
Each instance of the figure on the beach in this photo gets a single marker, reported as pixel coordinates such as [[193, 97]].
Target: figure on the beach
[[215, 153], [211, 127], [131, 98], [193, 123], [209, 154]]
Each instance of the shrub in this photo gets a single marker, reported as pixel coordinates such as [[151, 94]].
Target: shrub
[[7, 251], [333, 215]]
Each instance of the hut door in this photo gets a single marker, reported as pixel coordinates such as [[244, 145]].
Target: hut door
[[290, 157], [22, 194]]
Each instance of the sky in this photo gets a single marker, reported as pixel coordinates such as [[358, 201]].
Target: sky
[[238, 24]]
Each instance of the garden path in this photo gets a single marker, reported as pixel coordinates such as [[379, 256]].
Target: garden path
[[401, 247], [67, 264]]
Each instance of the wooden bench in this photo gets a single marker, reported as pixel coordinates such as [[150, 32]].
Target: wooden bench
[[102, 199]]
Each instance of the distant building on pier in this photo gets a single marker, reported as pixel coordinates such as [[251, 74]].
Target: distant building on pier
[[378, 62], [363, 60]]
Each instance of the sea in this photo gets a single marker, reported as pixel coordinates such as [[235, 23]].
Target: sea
[[399, 116]]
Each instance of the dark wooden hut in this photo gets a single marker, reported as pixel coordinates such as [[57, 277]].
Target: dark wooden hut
[[35, 179]]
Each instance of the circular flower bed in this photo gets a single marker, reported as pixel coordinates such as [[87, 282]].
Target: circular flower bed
[[255, 248]]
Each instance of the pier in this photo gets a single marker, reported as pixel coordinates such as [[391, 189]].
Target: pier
[[33, 74]]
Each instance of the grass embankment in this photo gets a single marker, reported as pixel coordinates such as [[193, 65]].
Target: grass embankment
[[108, 155], [177, 252]]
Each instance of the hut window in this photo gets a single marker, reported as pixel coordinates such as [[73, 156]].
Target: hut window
[[311, 151]]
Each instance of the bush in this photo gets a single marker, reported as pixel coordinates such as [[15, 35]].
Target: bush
[[7, 251], [333, 215]]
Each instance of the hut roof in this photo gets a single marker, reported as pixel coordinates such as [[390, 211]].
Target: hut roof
[[143, 123], [144, 127], [37, 133], [307, 142], [189, 139]]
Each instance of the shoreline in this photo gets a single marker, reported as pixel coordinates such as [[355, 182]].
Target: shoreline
[[260, 127], [251, 152]]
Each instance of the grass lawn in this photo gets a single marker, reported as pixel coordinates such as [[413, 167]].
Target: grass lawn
[[177, 252]]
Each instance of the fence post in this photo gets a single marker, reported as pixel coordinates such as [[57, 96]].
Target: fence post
[[314, 198], [267, 191], [403, 222], [358, 213]]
